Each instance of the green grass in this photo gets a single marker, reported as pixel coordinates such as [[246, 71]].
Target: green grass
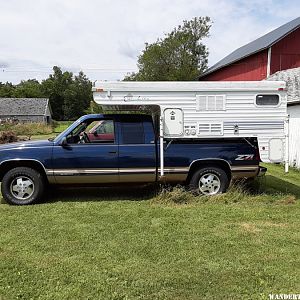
[[109, 244], [60, 126]]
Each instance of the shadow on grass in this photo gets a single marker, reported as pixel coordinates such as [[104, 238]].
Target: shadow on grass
[[279, 185], [116, 193], [268, 185]]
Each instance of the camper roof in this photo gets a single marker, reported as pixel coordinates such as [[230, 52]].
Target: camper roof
[[165, 86]]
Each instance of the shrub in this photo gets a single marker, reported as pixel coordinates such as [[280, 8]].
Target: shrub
[[26, 129], [8, 137]]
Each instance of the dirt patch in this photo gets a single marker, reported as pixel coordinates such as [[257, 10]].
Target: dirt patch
[[249, 227]]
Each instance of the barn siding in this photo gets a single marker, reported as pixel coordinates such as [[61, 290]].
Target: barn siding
[[286, 53], [250, 68]]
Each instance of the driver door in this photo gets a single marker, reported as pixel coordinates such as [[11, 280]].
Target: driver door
[[87, 160]]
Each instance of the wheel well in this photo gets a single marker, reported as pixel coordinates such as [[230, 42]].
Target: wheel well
[[8, 165], [222, 164]]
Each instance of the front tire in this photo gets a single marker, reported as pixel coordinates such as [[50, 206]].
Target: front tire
[[209, 181], [22, 186]]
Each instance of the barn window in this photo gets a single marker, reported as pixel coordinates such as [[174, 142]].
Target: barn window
[[267, 100], [210, 102]]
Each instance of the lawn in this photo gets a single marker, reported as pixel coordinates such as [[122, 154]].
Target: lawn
[[109, 244]]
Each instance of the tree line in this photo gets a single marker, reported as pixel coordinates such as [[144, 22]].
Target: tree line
[[181, 55], [70, 95]]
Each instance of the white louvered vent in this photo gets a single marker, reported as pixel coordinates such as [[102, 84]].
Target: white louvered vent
[[210, 128], [210, 102]]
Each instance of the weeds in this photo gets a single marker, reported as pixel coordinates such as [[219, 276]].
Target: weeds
[[26, 129], [239, 192], [8, 137]]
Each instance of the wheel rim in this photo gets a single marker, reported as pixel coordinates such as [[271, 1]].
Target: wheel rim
[[22, 188], [209, 184]]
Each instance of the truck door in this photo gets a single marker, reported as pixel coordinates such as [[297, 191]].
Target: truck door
[[137, 150], [87, 159]]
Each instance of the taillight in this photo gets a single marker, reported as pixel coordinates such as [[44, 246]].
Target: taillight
[[257, 156]]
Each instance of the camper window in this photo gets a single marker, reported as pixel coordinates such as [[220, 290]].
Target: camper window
[[267, 100]]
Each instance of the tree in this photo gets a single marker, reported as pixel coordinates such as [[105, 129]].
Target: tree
[[70, 96], [55, 87], [77, 97], [28, 89], [6, 90], [179, 56]]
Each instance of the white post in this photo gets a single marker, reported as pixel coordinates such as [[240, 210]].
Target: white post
[[161, 144], [269, 62], [286, 167]]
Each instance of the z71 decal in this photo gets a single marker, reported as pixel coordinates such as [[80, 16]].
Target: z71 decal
[[245, 157]]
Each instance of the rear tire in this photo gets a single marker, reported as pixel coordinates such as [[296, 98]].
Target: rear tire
[[209, 181], [22, 186]]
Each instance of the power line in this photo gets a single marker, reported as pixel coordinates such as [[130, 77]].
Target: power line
[[47, 69]]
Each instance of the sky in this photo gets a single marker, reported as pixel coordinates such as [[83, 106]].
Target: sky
[[104, 38]]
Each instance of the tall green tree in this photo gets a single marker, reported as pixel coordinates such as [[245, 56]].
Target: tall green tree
[[55, 88], [77, 97], [180, 55]]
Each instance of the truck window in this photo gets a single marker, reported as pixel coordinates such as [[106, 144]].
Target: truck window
[[132, 133], [93, 131]]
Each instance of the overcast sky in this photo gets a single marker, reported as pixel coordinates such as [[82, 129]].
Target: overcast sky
[[103, 38]]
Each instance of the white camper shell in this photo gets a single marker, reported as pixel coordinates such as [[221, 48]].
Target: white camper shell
[[195, 110]]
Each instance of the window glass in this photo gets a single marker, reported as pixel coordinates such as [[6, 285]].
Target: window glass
[[266, 100], [93, 131], [133, 132]]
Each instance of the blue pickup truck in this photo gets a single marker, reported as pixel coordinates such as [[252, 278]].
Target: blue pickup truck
[[121, 149]]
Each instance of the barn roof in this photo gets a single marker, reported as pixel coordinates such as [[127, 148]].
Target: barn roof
[[292, 79], [257, 45], [23, 106]]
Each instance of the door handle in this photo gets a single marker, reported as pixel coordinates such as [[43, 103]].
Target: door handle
[[112, 152]]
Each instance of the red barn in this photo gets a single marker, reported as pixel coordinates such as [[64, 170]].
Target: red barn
[[277, 50]]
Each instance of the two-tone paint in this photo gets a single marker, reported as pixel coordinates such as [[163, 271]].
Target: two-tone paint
[[123, 163]]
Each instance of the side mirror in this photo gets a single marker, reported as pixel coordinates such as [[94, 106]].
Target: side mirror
[[64, 142]]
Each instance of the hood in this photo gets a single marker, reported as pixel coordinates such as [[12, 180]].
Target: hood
[[27, 144]]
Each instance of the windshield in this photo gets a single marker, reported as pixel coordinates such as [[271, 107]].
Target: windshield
[[58, 137], [94, 130]]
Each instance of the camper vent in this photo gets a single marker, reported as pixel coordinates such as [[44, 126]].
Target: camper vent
[[210, 102], [210, 128]]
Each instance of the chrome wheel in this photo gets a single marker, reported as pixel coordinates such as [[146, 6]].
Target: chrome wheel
[[209, 184], [22, 188]]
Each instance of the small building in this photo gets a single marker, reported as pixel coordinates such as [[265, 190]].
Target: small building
[[26, 110]]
